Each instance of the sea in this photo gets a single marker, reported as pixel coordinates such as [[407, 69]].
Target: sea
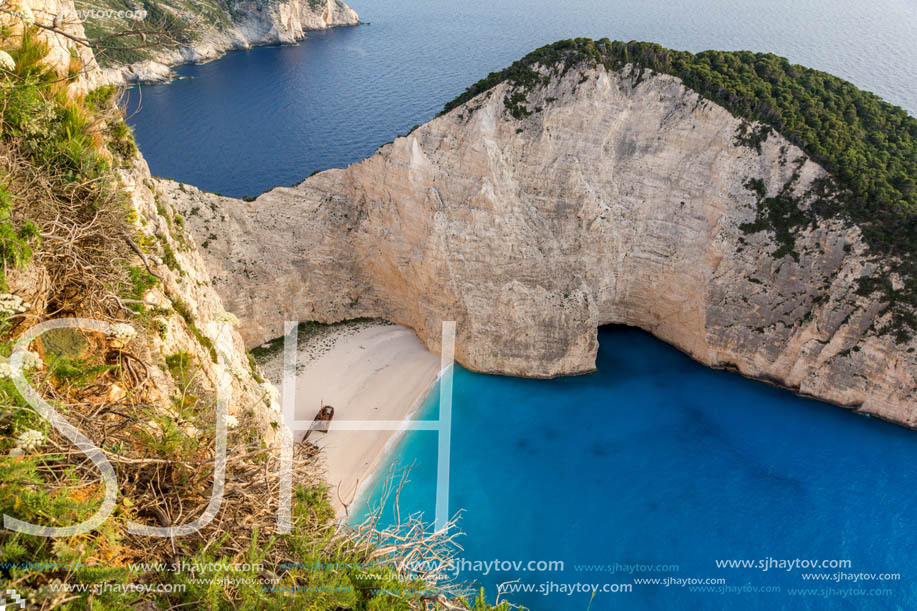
[[653, 483]]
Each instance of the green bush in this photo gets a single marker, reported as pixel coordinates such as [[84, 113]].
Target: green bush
[[17, 239], [868, 146], [69, 142]]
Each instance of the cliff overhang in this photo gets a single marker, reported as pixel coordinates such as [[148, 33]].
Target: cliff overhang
[[599, 194]]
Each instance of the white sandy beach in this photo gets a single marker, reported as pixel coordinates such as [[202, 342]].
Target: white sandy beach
[[366, 371]]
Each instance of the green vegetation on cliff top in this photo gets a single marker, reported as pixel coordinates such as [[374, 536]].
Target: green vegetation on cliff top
[[64, 217], [867, 145], [178, 22]]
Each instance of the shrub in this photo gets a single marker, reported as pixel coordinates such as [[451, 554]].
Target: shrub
[[868, 146]]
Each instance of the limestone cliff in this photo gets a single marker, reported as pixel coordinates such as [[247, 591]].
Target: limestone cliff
[[619, 198], [65, 55], [187, 314], [239, 25], [193, 316]]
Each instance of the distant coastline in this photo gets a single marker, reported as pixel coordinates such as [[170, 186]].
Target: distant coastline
[[287, 25]]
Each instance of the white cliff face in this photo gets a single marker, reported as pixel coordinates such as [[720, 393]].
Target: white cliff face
[[620, 201], [64, 54], [196, 313], [253, 23]]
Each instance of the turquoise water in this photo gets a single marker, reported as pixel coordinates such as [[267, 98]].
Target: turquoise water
[[653, 460], [271, 116], [656, 460]]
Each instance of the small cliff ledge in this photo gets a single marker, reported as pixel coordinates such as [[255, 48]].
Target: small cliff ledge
[[599, 195]]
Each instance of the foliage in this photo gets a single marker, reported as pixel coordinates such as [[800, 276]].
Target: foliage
[[17, 239], [162, 17], [80, 371], [57, 156], [64, 342], [179, 364], [162, 452], [138, 283], [184, 310], [25, 494], [304, 333], [752, 137], [867, 145]]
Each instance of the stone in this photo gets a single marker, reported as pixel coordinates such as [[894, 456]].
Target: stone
[[621, 201]]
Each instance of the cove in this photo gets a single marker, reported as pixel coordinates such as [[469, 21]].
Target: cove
[[652, 461]]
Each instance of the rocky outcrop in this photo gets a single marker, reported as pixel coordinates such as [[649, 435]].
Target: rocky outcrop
[[65, 55], [621, 198], [249, 23], [192, 316], [188, 315]]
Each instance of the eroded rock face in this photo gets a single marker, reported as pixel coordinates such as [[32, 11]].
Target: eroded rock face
[[618, 200], [65, 55], [199, 321], [254, 23]]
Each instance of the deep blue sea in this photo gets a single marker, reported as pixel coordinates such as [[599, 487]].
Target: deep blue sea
[[271, 116], [653, 460]]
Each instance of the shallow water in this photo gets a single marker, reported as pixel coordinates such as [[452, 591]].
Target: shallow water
[[653, 460]]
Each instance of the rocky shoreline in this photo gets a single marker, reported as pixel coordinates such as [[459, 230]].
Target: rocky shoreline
[[284, 23]]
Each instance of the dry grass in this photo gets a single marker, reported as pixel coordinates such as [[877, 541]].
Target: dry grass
[[82, 226]]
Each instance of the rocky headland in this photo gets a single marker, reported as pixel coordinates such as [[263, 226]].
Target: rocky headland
[[538, 208], [241, 25]]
